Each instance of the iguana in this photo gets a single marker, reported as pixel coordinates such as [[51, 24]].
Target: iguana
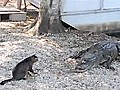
[[102, 53]]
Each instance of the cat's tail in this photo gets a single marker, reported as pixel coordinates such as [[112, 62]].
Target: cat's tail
[[5, 81]]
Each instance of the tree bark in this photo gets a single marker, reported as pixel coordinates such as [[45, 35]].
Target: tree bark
[[47, 20]]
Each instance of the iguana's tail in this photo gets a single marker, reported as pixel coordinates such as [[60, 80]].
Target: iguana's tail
[[5, 81]]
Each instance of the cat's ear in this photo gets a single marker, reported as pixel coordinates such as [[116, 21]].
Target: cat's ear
[[34, 55]]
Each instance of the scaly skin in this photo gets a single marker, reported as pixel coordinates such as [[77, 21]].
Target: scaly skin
[[101, 53]]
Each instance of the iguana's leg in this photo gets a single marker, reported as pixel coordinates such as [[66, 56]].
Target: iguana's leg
[[108, 63]]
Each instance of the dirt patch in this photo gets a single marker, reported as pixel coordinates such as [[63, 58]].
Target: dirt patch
[[52, 71]]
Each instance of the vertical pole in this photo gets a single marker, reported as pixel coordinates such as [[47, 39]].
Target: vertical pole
[[25, 5], [19, 2], [101, 4], [5, 2]]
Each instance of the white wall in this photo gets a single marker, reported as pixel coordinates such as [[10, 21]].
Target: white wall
[[84, 12]]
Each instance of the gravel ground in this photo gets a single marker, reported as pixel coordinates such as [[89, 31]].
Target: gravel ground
[[52, 51]]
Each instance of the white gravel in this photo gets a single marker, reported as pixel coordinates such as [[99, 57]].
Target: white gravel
[[53, 73]]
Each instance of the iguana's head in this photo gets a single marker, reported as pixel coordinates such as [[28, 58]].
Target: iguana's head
[[88, 57], [86, 61]]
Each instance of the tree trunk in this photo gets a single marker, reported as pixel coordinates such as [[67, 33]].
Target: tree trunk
[[47, 21]]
